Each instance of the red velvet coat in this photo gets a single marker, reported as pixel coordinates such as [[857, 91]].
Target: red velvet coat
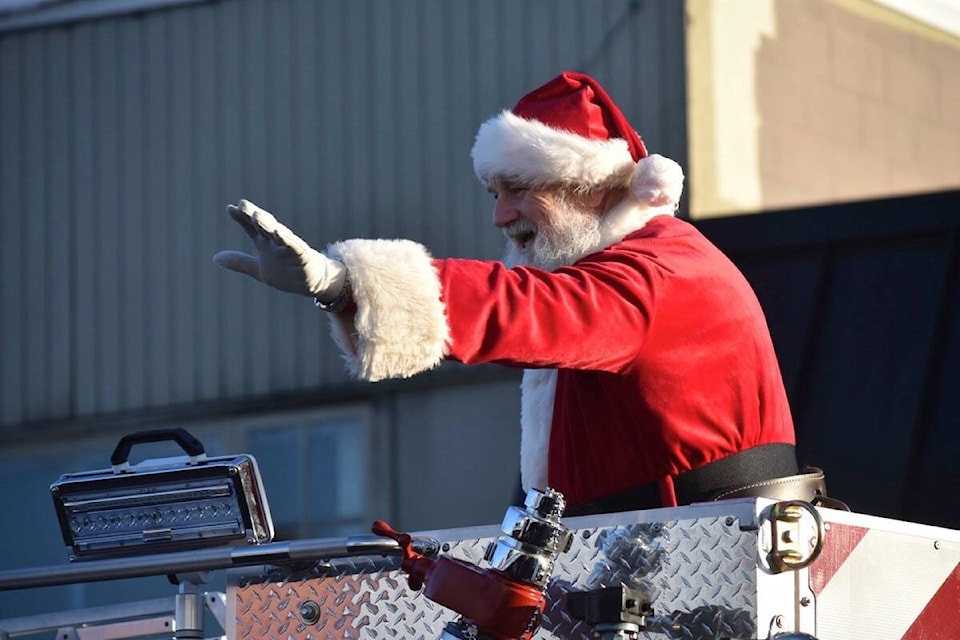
[[663, 356], [665, 360]]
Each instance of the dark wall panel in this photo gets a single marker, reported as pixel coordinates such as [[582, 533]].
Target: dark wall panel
[[861, 302], [931, 492], [788, 284], [864, 381]]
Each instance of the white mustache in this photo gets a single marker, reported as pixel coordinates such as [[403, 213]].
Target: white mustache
[[562, 241], [519, 227]]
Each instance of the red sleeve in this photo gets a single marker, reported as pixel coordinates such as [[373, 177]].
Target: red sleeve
[[592, 315]]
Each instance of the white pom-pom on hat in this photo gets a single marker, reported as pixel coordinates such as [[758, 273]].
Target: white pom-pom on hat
[[657, 181]]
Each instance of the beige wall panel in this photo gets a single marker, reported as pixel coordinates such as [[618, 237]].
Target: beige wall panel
[[796, 103]]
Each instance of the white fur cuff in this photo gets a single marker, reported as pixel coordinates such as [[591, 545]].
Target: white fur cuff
[[400, 327], [537, 392]]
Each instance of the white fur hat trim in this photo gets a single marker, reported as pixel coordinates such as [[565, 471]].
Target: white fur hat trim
[[535, 154]]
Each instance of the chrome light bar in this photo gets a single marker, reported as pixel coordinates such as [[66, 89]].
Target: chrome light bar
[[163, 504]]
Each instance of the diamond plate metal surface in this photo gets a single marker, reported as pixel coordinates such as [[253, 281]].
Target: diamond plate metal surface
[[700, 575]]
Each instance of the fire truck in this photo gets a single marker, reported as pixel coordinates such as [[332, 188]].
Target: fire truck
[[740, 569]]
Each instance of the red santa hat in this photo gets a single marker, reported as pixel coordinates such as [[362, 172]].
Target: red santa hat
[[569, 132]]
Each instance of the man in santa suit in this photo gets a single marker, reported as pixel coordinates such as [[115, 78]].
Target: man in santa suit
[[650, 376]]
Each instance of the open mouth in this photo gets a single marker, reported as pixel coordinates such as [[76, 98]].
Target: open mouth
[[523, 239]]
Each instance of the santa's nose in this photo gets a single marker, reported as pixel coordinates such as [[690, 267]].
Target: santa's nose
[[504, 213]]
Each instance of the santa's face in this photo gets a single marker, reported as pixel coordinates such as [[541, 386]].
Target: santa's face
[[543, 229]]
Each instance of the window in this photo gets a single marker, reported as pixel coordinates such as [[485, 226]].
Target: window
[[315, 473]]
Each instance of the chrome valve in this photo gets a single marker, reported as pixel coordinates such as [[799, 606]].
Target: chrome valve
[[533, 538]]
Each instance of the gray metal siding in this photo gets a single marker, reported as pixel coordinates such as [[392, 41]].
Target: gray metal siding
[[123, 138]]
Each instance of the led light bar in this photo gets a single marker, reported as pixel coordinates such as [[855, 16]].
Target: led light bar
[[163, 504]]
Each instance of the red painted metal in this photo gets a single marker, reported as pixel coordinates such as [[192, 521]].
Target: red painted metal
[[498, 605]]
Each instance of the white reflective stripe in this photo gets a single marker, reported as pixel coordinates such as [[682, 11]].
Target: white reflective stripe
[[881, 587]]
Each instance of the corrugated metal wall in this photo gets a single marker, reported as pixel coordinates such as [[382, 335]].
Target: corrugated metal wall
[[122, 139]]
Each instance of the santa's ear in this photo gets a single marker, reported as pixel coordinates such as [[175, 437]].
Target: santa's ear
[[657, 181]]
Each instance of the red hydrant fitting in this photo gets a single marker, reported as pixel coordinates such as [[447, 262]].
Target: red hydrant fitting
[[505, 602]]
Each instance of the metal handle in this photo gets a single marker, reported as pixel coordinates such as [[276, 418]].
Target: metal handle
[[190, 445]]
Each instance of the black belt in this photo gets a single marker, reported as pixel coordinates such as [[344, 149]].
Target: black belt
[[761, 463]]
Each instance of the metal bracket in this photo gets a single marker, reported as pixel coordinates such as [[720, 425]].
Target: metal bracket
[[795, 535], [216, 602]]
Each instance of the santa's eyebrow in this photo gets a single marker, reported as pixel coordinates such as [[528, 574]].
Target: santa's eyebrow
[[501, 182]]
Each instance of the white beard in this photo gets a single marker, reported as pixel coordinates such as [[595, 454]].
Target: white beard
[[578, 234], [569, 234]]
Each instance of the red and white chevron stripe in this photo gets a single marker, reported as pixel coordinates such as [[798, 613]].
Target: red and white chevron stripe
[[881, 584]]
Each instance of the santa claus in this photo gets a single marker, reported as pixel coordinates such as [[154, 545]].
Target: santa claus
[[650, 376]]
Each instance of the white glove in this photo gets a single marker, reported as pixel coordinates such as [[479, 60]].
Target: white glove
[[283, 260]]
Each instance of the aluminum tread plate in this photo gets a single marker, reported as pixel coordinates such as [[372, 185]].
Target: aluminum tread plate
[[700, 575]]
